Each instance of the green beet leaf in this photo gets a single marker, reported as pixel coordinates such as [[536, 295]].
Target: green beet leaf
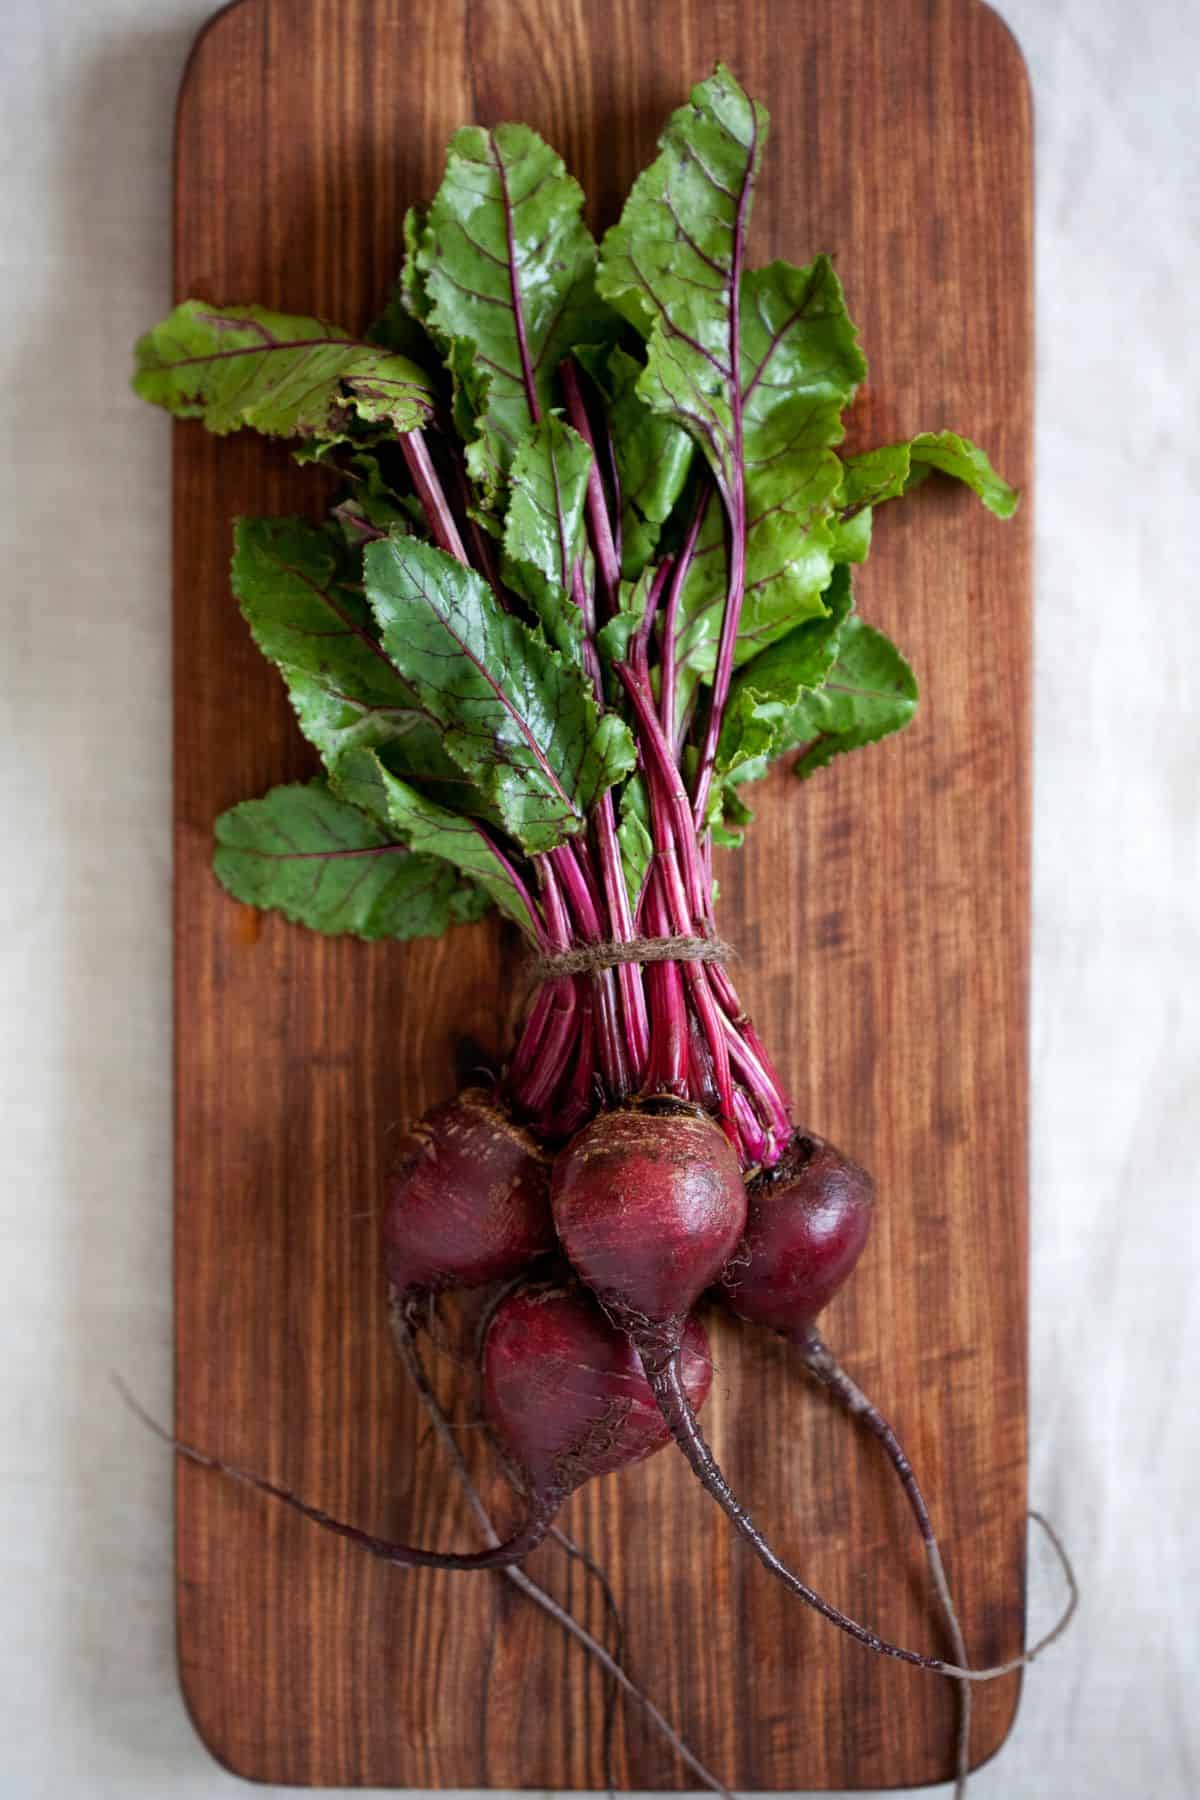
[[875, 475], [633, 835], [399, 328], [543, 528], [517, 718], [870, 692], [305, 853], [370, 504], [276, 373], [966, 462], [765, 693], [851, 541], [728, 817], [896, 469], [501, 268], [668, 264], [615, 637], [766, 427], [364, 780], [800, 368], [300, 589]]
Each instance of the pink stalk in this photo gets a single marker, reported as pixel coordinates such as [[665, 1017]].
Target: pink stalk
[[664, 784], [639, 643], [575, 1104], [668, 1011], [663, 778], [482, 544], [535, 1091], [755, 1142], [771, 1108], [629, 975], [621, 930], [431, 494], [735, 590], [743, 1027], [701, 1078], [668, 673], [570, 867], [532, 1033], [607, 561], [614, 482]]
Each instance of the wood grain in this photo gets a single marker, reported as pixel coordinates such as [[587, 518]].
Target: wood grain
[[882, 912]]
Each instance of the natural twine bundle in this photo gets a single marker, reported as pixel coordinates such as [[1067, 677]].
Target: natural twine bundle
[[590, 959]]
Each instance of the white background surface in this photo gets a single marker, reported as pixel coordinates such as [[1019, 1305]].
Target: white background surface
[[88, 1699]]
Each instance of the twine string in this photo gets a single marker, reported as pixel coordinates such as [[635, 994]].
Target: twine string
[[591, 959]]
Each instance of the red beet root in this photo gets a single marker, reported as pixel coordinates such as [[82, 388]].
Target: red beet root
[[467, 1199], [649, 1204], [807, 1223], [565, 1392]]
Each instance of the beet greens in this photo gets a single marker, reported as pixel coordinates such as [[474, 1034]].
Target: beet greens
[[587, 575]]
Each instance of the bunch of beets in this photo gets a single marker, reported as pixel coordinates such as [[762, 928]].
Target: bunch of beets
[[587, 574]]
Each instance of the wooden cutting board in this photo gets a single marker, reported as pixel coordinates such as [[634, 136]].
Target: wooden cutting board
[[881, 911]]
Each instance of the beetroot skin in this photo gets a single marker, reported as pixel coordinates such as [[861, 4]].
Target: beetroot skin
[[807, 1224], [649, 1204], [564, 1389], [467, 1199]]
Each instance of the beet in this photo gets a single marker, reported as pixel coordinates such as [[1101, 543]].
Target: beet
[[467, 1199], [807, 1223], [649, 1204], [565, 1392]]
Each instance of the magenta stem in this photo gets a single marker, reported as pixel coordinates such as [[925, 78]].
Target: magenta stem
[[543, 1068], [431, 494], [568, 865], [532, 1033], [482, 545], [665, 787], [668, 1010], [736, 511], [639, 644], [664, 780], [701, 1075], [750, 1130], [614, 481], [773, 1113], [535, 1090], [668, 672], [621, 929], [607, 561], [576, 1102]]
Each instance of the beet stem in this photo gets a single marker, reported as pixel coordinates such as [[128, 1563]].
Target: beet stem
[[410, 1356], [668, 672], [661, 1364], [824, 1366], [432, 495], [605, 550], [620, 915]]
